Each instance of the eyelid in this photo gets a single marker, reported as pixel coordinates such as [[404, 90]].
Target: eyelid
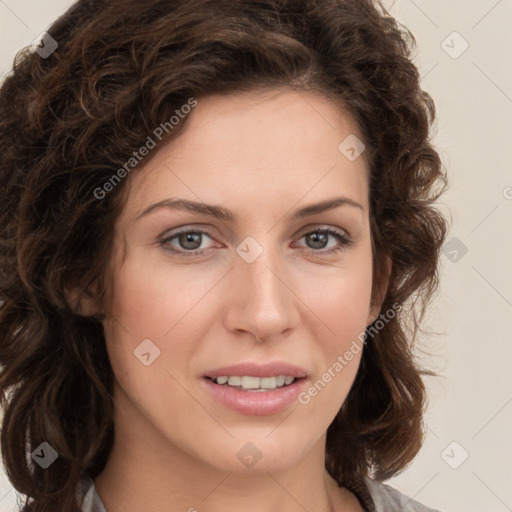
[[206, 229], [321, 227]]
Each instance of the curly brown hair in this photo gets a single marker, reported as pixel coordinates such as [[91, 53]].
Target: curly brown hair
[[69, 121]]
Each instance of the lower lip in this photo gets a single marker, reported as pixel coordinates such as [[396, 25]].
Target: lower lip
[[257, 403]]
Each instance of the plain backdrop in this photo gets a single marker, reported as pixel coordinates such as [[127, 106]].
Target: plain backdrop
[[465, 464]]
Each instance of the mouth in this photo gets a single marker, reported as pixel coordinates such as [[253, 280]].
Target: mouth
[[254, 396], [253, 388]]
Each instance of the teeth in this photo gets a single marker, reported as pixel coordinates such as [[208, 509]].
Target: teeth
[[255, 383], [267, 382], [248, 382]]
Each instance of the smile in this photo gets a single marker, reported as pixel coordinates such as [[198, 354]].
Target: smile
[[257, 401]]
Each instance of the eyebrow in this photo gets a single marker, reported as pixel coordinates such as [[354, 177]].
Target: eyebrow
[[222, 213]]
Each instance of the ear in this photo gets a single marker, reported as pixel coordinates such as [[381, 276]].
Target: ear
[[379, 294], [82, 301]]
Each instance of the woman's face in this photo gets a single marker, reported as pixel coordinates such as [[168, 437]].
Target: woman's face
[[269, 287]]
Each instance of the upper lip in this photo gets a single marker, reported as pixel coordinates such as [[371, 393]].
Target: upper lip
[[251, 369]]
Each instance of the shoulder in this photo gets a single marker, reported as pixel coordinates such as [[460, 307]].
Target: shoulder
[[386, 499]]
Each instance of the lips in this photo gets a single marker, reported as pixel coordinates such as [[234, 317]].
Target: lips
[[258, 402], [251, 402]]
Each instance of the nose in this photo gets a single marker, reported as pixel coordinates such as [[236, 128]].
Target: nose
[[260, 298]]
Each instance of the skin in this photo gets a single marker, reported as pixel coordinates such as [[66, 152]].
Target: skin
[[262, 155]]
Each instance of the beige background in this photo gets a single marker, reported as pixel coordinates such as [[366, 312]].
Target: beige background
[[470, 411]]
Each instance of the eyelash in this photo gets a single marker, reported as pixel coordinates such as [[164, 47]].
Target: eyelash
[[345, 242]]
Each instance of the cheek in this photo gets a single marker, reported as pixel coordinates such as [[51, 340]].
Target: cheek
[[152, 299], [145, 307], [342, 301], [344, 308], [156, 302], [137, 314]]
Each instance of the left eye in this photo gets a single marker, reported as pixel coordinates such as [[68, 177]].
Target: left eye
[[321, 237], [190, 241]]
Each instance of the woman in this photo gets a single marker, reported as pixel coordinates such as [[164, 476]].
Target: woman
[[218, 240]]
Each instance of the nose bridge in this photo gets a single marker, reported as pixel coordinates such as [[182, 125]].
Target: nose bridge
[[265, 277], [264, 302]]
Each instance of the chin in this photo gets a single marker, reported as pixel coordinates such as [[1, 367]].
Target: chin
[[258, 453]]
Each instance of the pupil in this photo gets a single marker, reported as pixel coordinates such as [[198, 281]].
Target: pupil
[[322, 237], [189, 237]]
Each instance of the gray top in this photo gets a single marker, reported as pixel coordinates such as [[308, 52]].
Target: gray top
[[385, 498]]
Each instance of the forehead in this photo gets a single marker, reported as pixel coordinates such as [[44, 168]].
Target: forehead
[[280, 145]]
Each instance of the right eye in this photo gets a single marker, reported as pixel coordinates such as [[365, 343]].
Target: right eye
[[189, 240]]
